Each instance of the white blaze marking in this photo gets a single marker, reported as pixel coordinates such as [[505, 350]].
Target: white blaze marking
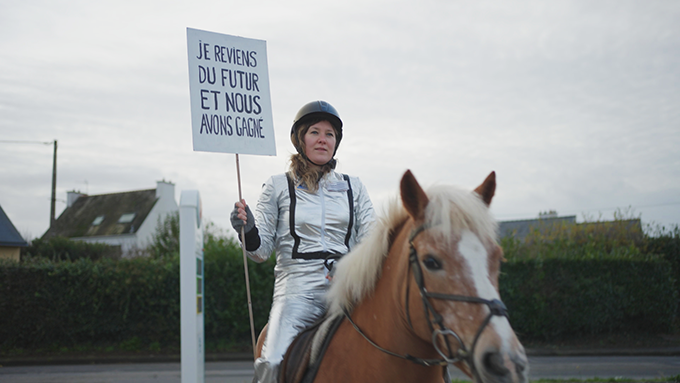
[[476, 256]]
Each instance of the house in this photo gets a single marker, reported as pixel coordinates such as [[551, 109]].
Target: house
[[548, 222], [11, 241], [521, 228], [127, 219]]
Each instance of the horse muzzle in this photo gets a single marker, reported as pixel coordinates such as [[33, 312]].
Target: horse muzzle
[[492, 365]]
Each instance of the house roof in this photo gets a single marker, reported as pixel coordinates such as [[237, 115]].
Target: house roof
[[9, 236], [104, 215], [520, 229]]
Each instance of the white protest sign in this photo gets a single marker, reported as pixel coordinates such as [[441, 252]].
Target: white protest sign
[[231, 108]]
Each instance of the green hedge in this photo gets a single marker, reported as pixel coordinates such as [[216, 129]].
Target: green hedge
[[131, 302], [86, 302], [589, 279], [226, 304], [555, 299], [666, 242], [571, 290]]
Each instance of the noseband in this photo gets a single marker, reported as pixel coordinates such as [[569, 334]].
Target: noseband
[[434, 319]]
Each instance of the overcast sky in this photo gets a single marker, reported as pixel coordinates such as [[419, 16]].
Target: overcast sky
[[574, 104]]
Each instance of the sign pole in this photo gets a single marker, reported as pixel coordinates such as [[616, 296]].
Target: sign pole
[[245, 262], [192, 287]]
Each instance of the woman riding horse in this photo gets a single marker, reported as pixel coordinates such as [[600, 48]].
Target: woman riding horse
[[309, 215]]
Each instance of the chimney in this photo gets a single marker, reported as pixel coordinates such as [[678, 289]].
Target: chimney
[[165, 190], [547, 214], [72, 196]]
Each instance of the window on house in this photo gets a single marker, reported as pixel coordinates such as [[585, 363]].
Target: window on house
[[98, 220], [126, 218]]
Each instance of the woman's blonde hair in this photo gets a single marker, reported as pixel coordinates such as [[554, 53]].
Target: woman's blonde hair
[[301, 169]]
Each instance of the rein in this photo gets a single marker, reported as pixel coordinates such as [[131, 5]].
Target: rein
[[416, 360], [496, 307]]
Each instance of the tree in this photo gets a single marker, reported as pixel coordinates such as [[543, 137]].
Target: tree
[[165, 241]]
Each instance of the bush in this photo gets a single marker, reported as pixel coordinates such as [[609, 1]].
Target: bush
[[64, 249], [590, 240], [165, 240]]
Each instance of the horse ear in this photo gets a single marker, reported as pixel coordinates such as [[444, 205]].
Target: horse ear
[[487, 189], [413, 197]]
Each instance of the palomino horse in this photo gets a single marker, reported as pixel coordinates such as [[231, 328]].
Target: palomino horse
[[421, 292]]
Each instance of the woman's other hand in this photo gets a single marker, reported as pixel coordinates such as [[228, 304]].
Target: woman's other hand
[[242, 216]]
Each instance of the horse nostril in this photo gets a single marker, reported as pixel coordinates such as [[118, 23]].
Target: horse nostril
[[493, 363], [520, 366]]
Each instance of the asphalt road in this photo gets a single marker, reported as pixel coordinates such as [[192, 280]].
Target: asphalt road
[[635, 367]]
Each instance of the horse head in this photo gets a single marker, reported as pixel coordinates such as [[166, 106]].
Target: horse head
[[452, 296]]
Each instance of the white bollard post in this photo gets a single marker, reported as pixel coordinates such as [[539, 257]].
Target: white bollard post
[[191, 287]]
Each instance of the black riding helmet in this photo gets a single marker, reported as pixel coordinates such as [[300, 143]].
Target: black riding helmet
[[316, 110]]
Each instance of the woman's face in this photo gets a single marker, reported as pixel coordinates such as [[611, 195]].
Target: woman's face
[[320, 142]]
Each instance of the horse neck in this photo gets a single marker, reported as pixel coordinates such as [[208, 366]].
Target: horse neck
[[382, 316]]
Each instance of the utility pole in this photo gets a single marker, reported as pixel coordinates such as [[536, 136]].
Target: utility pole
[[54, 171], [54, 185]]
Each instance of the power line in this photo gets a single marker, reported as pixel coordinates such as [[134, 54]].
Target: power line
[[26, 142]]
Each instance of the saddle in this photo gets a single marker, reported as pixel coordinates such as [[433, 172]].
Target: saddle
[[302, 359]]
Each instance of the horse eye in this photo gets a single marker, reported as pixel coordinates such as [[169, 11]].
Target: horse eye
[[432, 263]]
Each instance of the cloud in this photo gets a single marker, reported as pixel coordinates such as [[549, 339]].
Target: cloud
[[574, 104]]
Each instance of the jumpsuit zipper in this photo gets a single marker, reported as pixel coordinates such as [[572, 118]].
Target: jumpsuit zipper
[[322, 232]]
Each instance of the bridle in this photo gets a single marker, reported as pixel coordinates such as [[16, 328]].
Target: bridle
[[434, 319]]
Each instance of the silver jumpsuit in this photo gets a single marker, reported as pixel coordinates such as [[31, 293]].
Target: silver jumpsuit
[[321, 226]]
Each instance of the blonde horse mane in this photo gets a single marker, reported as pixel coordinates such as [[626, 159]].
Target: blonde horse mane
[[449, 211]]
